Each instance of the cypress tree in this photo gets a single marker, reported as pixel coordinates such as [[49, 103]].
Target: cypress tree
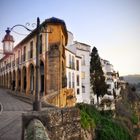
[[97, 78]]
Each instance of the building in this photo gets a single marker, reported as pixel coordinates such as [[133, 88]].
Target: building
[[107, 102], [73, 72], [18, 71], [83, 51], [111, 77]]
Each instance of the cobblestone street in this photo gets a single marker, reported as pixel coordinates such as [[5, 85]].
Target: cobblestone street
[[10, 117]]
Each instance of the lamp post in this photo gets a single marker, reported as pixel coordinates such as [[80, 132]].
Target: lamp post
[[37, 102], [8, 49]]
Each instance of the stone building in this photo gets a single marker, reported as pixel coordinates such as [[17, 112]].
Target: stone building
[[18, 71]]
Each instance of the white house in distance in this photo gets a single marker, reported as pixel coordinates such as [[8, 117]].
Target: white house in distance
[[107, 102], [111, 76], [83, 51]]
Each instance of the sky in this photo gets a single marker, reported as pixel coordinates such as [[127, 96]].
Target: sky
[[112, 26]]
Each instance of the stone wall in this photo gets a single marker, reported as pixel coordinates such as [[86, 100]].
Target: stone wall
[[60, 124]]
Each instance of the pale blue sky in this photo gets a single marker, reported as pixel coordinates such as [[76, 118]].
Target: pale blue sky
[[113, 26]]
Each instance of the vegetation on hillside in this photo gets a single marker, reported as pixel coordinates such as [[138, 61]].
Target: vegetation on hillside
[[122, 124], [128, 110], [106, 127]]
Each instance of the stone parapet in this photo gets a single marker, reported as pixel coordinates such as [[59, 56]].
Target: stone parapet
[[60, 124]]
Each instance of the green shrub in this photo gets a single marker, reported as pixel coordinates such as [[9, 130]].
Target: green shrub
[[86, 121], [134, 119], [106, 127]]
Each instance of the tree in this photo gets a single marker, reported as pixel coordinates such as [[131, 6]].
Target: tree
[[97, 78]]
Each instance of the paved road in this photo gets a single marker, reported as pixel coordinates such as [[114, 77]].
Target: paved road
[[10, 117]]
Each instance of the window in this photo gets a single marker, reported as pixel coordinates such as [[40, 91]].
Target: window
[[78, 91], [83, 75], [10, 61], [31, 49], [24, 53], [83, 89], [69, 60], [14, 60], [73, 80], [69, 80], [77, 80], [18, 56], [21, 56], [109, 86], [72, 62], [40, 44], [77, 65]]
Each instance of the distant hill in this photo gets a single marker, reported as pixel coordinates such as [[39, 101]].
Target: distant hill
[[132, 79]]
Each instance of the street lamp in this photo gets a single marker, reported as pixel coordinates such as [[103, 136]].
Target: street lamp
[[8, 43]]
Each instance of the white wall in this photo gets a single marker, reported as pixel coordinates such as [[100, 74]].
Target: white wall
[[69, 73], [83, 51]]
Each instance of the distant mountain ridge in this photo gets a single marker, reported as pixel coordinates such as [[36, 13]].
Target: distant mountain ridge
[[132, 79]]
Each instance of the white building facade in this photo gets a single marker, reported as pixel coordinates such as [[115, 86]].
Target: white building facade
[[73, 73], [82, 50], [111, 78]]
